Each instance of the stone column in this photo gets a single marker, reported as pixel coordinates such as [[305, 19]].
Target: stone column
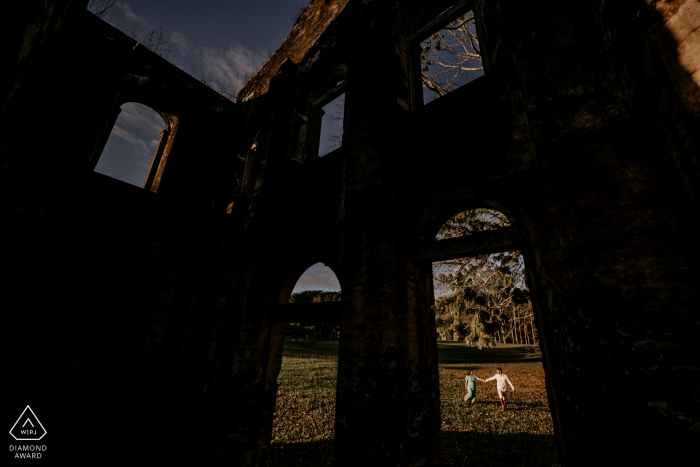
[[155, 163], [387, 403]]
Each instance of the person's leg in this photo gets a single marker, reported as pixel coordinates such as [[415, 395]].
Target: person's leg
[[471, 397], [502, 397]]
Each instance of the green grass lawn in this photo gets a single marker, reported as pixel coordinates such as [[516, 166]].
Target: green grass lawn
[[483, 434]]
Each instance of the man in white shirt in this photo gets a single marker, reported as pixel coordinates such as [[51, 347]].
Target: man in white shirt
[[501, 380]]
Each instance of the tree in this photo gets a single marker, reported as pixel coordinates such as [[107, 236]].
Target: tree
[[336, 116], [450, 55], [321, 330], [478, 296], [100, 7]]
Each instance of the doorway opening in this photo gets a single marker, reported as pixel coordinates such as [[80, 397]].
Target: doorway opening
[[304, 419], [484, 321]]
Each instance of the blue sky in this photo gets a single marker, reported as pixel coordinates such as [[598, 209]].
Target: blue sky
[[214, 40], [219, 41], [460, 78], [335, 108]]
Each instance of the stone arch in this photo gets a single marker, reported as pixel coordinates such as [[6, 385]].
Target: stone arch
[[291, 274], [298, 269], [441, 212], [447, 204]]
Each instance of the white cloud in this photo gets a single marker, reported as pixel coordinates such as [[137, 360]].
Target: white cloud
[[140, 117], [132, 17], [226, 65], [182, 42], [137, 145]]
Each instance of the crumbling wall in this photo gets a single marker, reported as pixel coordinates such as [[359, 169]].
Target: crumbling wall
[[109, 285], [308, 28]]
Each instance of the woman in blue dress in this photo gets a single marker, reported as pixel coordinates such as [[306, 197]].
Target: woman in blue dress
[[470, 385]]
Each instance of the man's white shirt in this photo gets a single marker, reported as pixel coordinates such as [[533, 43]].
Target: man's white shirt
[[501, 382]]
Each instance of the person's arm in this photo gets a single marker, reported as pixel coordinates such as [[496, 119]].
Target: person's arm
[[490, 379], [511, 384], [465, 383]]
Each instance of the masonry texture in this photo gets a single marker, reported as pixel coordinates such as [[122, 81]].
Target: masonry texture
[[585, 132]]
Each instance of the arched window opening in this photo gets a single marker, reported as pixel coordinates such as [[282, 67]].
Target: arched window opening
[[305, 408], [328, 119], [318, 284], [317, 277], [448, 52], [137, 138], [484, 320]]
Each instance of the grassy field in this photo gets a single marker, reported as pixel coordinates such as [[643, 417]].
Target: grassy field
[[523, 436]]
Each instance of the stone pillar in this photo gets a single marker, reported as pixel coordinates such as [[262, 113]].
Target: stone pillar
[[155, 163], [249, 349], [387, 402]]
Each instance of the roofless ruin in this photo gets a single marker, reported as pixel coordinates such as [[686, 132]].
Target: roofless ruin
[[168, 302]]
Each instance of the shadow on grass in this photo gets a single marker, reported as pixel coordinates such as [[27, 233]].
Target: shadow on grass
[[491, 449], [458, 352], [449, 352], [460, 448], [303, 350], [310, 453]]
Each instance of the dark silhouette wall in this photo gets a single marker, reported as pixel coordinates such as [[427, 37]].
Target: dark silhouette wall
[[170, 300]]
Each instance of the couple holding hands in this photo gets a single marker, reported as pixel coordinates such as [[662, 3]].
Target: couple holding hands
[[501, 379]]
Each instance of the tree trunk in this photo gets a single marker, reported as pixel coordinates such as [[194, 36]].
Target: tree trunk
[[527, 334]]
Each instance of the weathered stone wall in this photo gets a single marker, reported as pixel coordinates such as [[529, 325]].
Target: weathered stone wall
[[612, 275], [110, 289], [317, 17]]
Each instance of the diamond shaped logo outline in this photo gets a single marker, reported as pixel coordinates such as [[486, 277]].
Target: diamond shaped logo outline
[[30, 422]]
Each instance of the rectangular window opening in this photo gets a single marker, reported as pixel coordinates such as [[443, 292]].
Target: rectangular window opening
[[332, 125], [451, 56]]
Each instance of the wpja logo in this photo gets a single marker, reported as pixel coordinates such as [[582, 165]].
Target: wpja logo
[[28, 428]]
